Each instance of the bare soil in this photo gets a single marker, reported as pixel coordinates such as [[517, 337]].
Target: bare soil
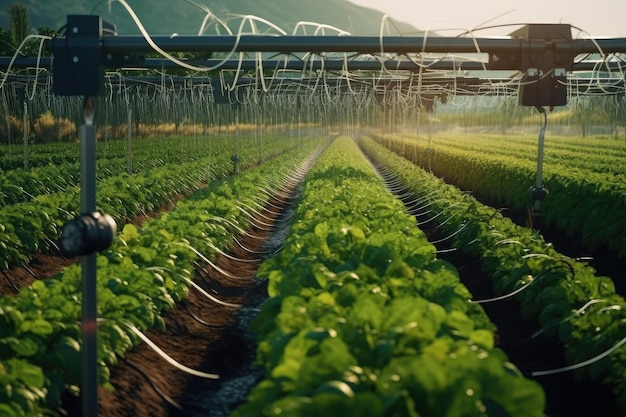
[[212, 338], [42, 266], [200, 334], [566, 396]]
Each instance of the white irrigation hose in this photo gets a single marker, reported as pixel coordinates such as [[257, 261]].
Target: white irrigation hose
[[254, 212], [42, 39], [577, 313], [581, 364], [231, 257], [235, 226], [209, 15], [505, 296], [318, 27], [175, 60], [197, 287], [208, 261], [168, 358], [209, 296]]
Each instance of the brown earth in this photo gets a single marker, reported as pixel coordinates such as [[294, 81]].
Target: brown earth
[[42, 266], [195, 331], [566, 396], [145, 384]]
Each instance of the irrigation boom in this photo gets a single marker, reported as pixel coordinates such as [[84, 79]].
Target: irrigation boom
[[545, 54]]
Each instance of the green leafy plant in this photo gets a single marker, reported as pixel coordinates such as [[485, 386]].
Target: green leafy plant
[[364, 320], [557, 287], [144, 273]]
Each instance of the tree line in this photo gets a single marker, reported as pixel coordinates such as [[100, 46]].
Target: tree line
[[19, 29]]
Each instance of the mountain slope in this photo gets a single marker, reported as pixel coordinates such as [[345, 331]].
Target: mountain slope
[[164, 17]]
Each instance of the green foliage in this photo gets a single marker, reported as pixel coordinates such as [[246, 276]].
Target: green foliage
[[364, 320], [6, 46], [564, 295], [144, 273], [19, 22], [586, 188], [41, 200]]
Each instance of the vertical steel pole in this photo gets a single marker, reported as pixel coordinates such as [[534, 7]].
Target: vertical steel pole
[[25, 133], [89, 390], [129, 142], [538, 192], [540, 145], [106, 126]]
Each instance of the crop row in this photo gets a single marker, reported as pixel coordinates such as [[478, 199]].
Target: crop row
[[363, 319], [564, 295], [33, 226], [38, 155], [566, 152], [176, 149], [144, 273], [580, 202], [21, 185], [18, 185]]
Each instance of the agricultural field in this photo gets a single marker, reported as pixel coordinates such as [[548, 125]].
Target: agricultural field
[[585, 178], [229, 229], [360, 302]]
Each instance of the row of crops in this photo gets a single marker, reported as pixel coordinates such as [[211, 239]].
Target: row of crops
[[343, 341], [585, 177], [142, 275], [112, 154], [362, 317], [565, 296], [364, 320], [37, 202]]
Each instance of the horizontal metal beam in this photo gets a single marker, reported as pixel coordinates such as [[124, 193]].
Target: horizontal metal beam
[[462, 85], [302, 43], [317, 64], [353, 44], [293, 64]]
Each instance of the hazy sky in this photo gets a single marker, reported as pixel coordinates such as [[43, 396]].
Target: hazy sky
[[598, 17]]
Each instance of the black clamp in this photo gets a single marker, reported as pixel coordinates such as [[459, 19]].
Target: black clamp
[[80, 59], [235, 159], [537, 195], [87, 234], [77, 65], [545, 58]]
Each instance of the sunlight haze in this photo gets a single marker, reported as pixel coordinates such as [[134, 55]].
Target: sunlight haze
[[600, 18]]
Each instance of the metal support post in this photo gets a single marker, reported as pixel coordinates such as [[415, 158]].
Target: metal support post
[[537, 192], [25, 134], [89, 390], [78, 72], [129, 142], [83, 236]]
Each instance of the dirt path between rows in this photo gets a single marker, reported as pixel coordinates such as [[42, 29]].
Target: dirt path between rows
[[202, 335], [199, 333], [46, 265], [566, 396]]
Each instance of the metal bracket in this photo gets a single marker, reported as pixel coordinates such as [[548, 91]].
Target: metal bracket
[[544, 83], [77, 65], [235, 160], [537, 195]]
